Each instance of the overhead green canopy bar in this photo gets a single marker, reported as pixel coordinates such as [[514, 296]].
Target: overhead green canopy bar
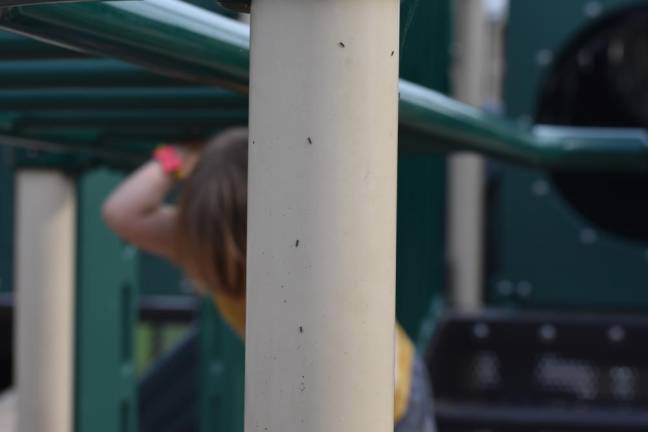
[[176, 39]]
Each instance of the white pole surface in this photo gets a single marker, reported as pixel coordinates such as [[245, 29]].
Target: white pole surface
[[45, 254], [322, 216]]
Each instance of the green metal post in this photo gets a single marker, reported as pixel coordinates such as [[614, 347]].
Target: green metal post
[[105, 399], [220, 374], [420, 252]]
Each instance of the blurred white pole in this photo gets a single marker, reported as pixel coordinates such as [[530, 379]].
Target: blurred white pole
[[472, 81], [322, 216], [45, 275]]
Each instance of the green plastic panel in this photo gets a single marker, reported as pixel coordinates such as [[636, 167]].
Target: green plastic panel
[[106, 313], [420, 252], [545, 254], [531, 48]]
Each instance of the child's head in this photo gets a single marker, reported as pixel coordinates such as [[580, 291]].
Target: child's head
[[212, 215]]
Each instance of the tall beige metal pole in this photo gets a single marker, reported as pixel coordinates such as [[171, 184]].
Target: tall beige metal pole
[[45, 255], [322, 216]]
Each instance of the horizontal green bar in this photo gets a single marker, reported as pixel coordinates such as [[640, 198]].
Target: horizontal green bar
[[26, 74], [121, 120], [170, 37], [16, 47], [11, 3], [453, 126], [177, 39], [73, 154], [121, 99]]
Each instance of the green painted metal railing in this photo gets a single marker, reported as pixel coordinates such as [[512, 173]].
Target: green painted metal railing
[[458, 126], [180, 40]]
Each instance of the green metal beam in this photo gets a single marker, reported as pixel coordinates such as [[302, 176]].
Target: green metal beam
[[11, 3], [130, 120], [16, 47], [71, 153], [454, 126], [168, 36], [26, 74], [177, 39], [185, 98]]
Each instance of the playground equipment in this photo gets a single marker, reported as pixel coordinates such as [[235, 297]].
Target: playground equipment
[[188, 49]]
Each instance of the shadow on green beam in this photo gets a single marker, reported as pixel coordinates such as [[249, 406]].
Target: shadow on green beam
[[38, 74], [121, 99], [168, 36], [174, 38]]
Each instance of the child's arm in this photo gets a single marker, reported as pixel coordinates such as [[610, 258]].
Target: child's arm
[[136, 211]]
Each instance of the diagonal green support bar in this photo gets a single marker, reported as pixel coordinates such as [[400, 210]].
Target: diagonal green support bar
[[173, 38]]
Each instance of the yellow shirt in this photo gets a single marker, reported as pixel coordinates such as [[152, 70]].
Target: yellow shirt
[[233, 312]]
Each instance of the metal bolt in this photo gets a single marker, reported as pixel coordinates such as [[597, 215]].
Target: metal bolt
[[481, 331], [593, 9], [524, 289], [544, 57], [540, 187], [505, 288], [547, 333], [129, 252], [616, 334], [616, 52], [588, 236]]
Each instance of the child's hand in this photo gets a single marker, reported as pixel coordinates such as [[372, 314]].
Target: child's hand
[[190, 154]]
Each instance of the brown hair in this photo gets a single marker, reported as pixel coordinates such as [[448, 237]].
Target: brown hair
[[212, 215]]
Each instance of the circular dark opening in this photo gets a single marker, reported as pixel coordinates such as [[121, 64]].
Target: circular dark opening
[[601, 79]]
